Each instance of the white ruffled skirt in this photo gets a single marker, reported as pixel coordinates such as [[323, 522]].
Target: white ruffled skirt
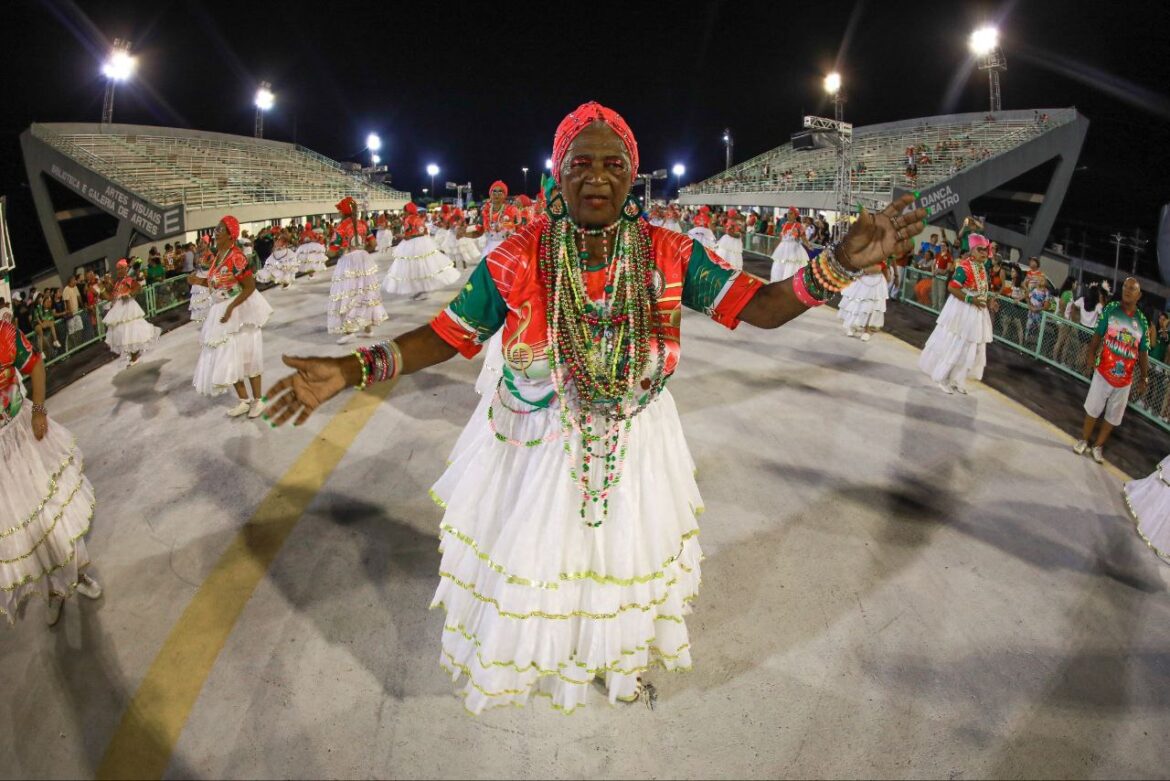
[[863, 303], [46, 506], [385, 238], [419, 267], [536, 601], [233, 351], [127, 330], [312, 257], [1148, 501], [957, 348], [280, 270], [200, 299], [355, 297], [463, 251], [789, 257]]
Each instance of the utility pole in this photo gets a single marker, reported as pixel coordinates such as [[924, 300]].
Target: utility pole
[[1118, 239]]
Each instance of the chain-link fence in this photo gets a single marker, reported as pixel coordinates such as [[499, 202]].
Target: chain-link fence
[[1046, 336]]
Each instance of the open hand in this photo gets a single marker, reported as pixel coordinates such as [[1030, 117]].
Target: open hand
[[316, 381], [877, 236]]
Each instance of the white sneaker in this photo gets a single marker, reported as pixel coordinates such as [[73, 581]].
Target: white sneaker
[[849, 331], [54, 614], [239, 409], [88, 587], [959, 389], [1098, 456], [947, 389], [57, 345], [346, 339], [1080, 447], [256, 408], [865, 336]]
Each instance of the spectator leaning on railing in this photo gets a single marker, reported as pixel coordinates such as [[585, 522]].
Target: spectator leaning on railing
[[1120, 342]]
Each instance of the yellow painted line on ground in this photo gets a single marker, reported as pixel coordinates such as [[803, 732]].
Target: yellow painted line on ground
[[154, 719]]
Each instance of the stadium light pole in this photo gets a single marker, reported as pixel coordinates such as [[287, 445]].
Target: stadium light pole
[[833, 87], [118, 67], [984, 44], [525, 170], [433, 170], [678, 170], [373, 143], [729, 144], [264, 101]]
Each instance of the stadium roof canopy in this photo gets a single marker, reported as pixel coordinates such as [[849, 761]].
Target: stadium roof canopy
[[974, 164], [162, 182]]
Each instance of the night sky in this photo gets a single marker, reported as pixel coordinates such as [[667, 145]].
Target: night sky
[[478, 88]]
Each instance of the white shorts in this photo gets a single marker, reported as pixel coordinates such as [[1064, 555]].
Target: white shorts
[[1106, 398]]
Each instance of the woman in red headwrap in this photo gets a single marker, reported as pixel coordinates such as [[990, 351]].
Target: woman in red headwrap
[[282, 265], [701, 232], [419, 265], [730, 244], [231, 337], [355, 297], [497, 219], [569, 532], [458, 247], [790, 255], [127, 331], [311, 255], [46, 502]]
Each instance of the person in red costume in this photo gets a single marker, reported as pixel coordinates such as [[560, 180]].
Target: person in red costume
[[497, 217], [569, 547], [355, 297], [127, 331]]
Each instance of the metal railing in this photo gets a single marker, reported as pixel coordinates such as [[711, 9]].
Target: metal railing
[[1047, 337]]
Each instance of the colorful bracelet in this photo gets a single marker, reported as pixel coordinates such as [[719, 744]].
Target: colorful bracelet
[[800, 288], [39, 408], [358, 353], [836, 266], [825, 276], [380, 363]]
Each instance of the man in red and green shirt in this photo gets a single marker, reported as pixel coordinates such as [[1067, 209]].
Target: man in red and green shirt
[[1121, 341]]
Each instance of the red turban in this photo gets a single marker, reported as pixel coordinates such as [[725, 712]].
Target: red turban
[[585, 115], [232, 225], [702, 220], [346, 206], [498, 183], [123, 263], [410, 208]]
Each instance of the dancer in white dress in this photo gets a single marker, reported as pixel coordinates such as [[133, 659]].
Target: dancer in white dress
[[863, 303], [418, 266], [311, 255], [46, 502], [127, 331], [355, 296], [385, 235], [671, 221], [569, 535], [1148, 501], [702, 230], [282, 265], [459, 248], [232, 337], [790, 254], [497, 219], [730, 244], [957, 349]]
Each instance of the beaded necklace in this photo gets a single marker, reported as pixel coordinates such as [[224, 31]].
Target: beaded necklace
[[602, 348]]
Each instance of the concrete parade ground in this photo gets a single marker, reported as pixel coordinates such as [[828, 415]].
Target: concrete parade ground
[[898, 583]]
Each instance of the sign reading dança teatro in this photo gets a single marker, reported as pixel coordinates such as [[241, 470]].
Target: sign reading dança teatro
[[939, 199], [147, 219]]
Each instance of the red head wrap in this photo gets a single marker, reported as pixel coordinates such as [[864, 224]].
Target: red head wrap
[[498, 183], [123, 263], [524, 200], [232, 225], [346, 206], [411, 208], [585, 115], [792, 212], [702, 220]]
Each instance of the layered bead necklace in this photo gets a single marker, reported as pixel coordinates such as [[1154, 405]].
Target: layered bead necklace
[[603, 347]]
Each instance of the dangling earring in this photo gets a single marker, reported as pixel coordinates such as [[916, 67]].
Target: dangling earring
[[632, 208], [556, 207]]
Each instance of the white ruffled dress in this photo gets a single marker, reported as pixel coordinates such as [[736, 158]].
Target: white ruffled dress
[[863, 303], [730, 248], [419, 266], [536, 602], [281, 267], [200, 299], [311, 257], [789, 257], [46, 506], [1148, 501], [704, 236], [127, 330], [355, 297], [464, 252], [957, 348], [233, 351]]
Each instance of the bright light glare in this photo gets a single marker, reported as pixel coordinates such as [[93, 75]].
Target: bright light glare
[[264, 98], [373, 142], [726, 137], [833, 83], [433, 170], [983, 41], [120, 66], [548, 163], [679, 169], [376, 159]]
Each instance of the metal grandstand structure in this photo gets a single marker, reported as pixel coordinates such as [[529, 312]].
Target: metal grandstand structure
[[958, 158], [166, 182]]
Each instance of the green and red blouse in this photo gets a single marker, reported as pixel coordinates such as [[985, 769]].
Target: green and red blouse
[[17, 358]]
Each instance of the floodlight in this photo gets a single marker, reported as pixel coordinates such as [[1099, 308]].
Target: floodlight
[[983, 41], [120, 65], [264, 96], [833, 83], [376, 159], [432, 169], [373, 142], [679, 169]]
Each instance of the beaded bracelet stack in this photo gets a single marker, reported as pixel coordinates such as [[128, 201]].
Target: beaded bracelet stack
[[380, 362], [822, 278]]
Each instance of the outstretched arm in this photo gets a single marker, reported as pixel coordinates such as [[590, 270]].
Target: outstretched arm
[[319, 379]]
